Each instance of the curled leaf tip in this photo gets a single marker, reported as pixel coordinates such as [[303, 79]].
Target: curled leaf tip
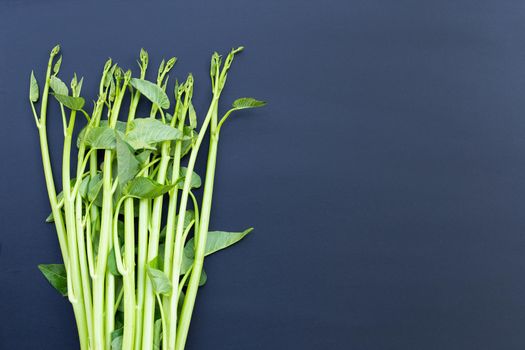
[[74, 81], [55, 50], [239, 49], [143, 55], [169, 65], [118, 73], [107, 66]]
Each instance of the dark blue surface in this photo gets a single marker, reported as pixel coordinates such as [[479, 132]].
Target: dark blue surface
[[385, 179]]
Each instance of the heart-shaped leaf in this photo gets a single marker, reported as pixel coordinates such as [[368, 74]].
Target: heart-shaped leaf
[[152, 92], [71, 102], [145, 132], [56, 276], [58, 86], [247, 102], [33, 88], [216, 241], [144, 187], [159, 281]]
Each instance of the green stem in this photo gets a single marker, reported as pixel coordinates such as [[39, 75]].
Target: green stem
[[163, 321], [128, 279], [171, 215], [193, 285], [172, 205], [101, 336], [179, 243], [48, 172], [142, 251], [74, 264], [144, 208], [110, 307], [84, 269], [153, 246]]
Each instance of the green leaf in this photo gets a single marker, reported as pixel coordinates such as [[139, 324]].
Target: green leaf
[[187, 142], [50, 218], [119, 314], [56, 67], [55, 50], [58, 86], [116, 343], [95, 184], [147, 131], [117, 333], [112, 90], [155, 262], [192, 116], [127, 164], [202, 280], [112, 263], [73, 103], [160, 257], [143, 157], [33, 88], [56, 276], [152, 92], [187, 258], [161, 68], [195, 181], [247, 102], [159, 281], [77, 86], [120, 126], [144, 187], [144, 57], [216, 241], [101, 137], [84, 186], [170, 64], [180, 303], [188, 217], [157, 335]]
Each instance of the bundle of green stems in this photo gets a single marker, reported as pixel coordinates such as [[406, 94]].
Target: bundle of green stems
[[132, 234]]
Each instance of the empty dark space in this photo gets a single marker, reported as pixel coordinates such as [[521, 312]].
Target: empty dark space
[[385, 179]]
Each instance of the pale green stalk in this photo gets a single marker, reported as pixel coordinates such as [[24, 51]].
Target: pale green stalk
[[144, 208], [183, 326], [84, 271], [102, 340], [179, 243], [46, 163], [76, 295], [148, 247], [171, 215], [153, 246], [173, 194], [193, 285], [142, 251], [50, 184], [110, 279], [128, 278]]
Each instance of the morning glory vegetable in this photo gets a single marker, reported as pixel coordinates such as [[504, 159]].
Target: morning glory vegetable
[[132, 234]]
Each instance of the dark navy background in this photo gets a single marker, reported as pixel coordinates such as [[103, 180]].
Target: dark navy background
[[385, 179]]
